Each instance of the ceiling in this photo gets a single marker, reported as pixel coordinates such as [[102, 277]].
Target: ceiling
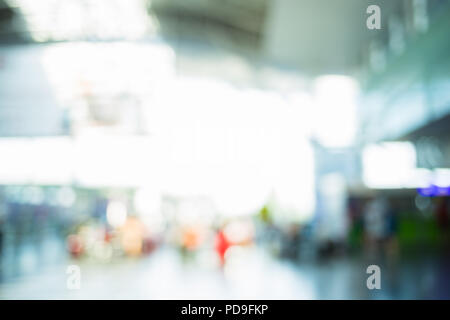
[[313, 36]]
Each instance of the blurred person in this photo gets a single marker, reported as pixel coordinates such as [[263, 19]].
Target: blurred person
[[79, 239], [75, 245], [232, 233], [39, 229], [91, 239], [269, 233], [265, 215], [442, 219], [149, 245], [375, 225], [222, 244], [291, 242], [381, 229], [16, 225], [2, 223], [132, 236], [391, 241], [355, 215], [190, 239]]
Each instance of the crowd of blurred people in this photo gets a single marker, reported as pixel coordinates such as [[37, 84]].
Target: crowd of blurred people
[[103, 226]]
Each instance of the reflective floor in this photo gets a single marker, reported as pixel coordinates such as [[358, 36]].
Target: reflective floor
[[250, 273]]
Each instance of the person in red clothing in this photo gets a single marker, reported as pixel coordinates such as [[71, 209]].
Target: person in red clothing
[[221, 245]]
